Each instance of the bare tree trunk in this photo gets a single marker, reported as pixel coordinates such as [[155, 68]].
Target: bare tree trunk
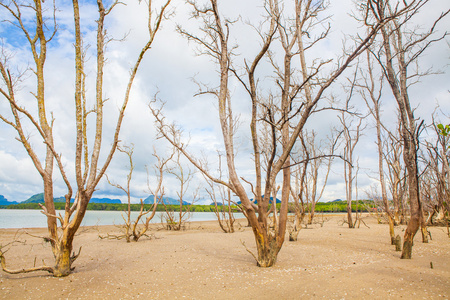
[[298, 193], [351, 138], [369, 86], [282, 127], [223, 212], [299, 210], [395, 58], [409, 143], [88, 173]]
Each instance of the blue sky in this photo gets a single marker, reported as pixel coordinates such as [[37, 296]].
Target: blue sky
[[168, 70]]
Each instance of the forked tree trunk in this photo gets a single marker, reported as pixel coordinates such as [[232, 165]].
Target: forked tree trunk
[[63, 257], [292, 123], [396, 60], [88, 172], [63, 266], [267, 251]]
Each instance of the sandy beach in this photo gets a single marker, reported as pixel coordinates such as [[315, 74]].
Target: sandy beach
[[330, 262]]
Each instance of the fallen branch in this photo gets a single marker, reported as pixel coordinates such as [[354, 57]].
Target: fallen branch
[[29, 270]]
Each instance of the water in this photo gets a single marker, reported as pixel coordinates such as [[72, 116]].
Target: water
[[31, 218]]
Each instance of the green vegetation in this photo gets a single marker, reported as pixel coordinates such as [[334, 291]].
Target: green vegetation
[[112, 207], [444, 129], [341, 206], [337, 206]]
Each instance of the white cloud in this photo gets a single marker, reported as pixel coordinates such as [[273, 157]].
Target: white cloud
[[168, 69]]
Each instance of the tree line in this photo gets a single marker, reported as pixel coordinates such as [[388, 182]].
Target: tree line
[[336, 206]]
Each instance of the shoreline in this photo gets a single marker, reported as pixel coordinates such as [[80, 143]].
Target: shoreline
[[115, 226], [329, 261], [98, 218]]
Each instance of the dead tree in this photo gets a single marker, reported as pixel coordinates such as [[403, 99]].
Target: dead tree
[[134, 230], [177, 220], [286, 118], [38, 31], [320, 160], [392, 153], [128, 150], [223, 208], [297, 192], [428, 194], [315, 158], [350, 140], [438, 162], [397, 53], [372, 96]]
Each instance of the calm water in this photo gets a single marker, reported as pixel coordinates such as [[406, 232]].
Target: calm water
[[29, 218]]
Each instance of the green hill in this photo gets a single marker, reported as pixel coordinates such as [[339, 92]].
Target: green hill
[[39, 198]]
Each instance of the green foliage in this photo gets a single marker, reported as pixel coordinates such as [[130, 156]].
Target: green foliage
[[339, 206], [202, 208], [21, 206], [115, 207], [330, 207], [444, 129]]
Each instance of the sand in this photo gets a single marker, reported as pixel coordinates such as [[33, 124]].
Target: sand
[[331, 262]]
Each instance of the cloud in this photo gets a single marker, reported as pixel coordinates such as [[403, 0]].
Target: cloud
[[167, 72]]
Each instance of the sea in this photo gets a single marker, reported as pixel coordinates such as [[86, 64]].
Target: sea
[[33, 218]]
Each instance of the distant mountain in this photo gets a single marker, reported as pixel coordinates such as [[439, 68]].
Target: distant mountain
[[167, 200], [105, 200], [270, 201], [4, 201], [337, 200], [39, 198]]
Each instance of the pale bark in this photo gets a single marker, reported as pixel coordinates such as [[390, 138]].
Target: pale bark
[[223, 208], [88, 172], [284, 122], [398, 53], [369, 87], [396, 177], [133, 230], [297, 191], [436, 183], [351, 139], [177, 220]]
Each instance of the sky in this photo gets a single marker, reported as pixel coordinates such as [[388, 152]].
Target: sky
[[168, 72]]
